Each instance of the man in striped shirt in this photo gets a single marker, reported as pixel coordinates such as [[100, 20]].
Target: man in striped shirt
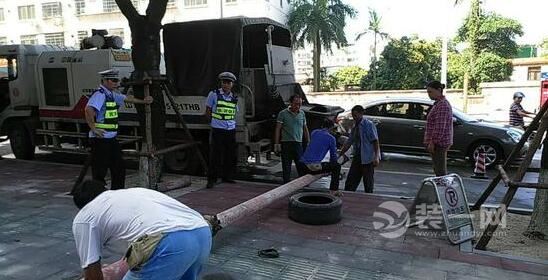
[[438, 136], [517, 112]]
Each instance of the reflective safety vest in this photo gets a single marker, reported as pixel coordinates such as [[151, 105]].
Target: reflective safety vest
[[110, 122], [225, 110]]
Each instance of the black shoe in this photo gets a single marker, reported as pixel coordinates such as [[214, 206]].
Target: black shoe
[[210, 184], [229, 181]]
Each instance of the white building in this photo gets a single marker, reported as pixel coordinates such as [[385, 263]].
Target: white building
[[351, 55], [66, 22], [527, 69]]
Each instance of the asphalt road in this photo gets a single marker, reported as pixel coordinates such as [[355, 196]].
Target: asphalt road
[[397, 175]]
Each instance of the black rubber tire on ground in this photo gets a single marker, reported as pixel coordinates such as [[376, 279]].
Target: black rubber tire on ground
[[315, 208], [20, 142]]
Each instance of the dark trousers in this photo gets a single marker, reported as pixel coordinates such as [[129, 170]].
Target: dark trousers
[[106, 154], [439, 161], [222, 154], [327, 167], [291, 152], [357, 172]]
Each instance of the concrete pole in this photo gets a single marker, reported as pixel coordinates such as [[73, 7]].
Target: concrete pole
[[221, 8], [443, 79], [445, 41], [249, 207]]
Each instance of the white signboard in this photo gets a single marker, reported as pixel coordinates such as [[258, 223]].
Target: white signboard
[[454, 205]]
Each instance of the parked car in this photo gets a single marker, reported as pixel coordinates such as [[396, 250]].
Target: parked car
[[401, 123]]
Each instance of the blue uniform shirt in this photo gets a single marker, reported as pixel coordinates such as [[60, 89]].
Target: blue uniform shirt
[[321, 141], [368, 135], [97, 102], [211, 102]]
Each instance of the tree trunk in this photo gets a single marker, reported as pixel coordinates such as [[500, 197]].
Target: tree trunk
[[145, 40], [316, 58], [538, 226]]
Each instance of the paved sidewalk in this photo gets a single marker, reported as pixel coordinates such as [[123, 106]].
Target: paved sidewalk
[[36, 240]]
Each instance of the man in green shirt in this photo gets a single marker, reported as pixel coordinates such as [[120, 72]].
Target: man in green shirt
[[290, 131]]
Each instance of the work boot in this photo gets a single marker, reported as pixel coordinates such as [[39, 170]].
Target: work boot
[[210, 183]]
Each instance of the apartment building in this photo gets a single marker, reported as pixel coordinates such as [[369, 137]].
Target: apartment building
[[351, 55], [66, 22]]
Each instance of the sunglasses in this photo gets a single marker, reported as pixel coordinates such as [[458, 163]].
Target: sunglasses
[[114, 80], [226, 81]]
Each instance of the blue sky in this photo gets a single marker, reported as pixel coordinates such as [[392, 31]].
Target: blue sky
[[427, 18]]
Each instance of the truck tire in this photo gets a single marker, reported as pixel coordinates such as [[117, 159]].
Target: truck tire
[[315, 208], [21, 142], [183, 161]]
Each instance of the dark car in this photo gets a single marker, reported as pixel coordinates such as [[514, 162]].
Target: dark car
[[401, 122]]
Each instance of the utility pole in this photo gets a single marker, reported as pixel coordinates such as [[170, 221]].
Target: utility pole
[[445, 41], [221, 7]]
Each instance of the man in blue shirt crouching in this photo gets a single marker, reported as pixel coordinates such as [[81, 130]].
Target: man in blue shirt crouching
[[321, 141]]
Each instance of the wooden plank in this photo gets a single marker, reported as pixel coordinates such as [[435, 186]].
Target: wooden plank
[[504, 176], [528, 185], [488, 233], [512, 156]]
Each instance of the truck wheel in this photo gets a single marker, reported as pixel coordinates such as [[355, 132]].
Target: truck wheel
[[21, 142], [183, 161], [315, 208]]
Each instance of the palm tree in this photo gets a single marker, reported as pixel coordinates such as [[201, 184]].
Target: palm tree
[[375, 28], [321, 23]]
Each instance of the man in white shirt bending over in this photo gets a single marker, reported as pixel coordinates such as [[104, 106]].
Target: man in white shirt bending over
[[168, 240]]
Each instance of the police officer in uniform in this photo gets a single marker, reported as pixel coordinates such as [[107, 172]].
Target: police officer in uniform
[[221, 108], [102, 118]]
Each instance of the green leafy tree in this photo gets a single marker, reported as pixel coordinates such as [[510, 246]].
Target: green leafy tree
[[375, 28], [320, 23], [544, 46], [351, 75], [407, 63], [329, 83], [490, 67], [488, 35], [495, 34]]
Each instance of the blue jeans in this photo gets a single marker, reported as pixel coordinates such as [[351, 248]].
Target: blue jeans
[[179, 256]]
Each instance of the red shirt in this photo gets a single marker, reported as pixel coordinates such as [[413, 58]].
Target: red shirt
[[439, 124]]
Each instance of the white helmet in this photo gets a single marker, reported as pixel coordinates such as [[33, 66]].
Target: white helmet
[[519, 95], [227, 76]]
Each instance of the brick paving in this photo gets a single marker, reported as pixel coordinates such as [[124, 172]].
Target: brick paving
[[36, 240]]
